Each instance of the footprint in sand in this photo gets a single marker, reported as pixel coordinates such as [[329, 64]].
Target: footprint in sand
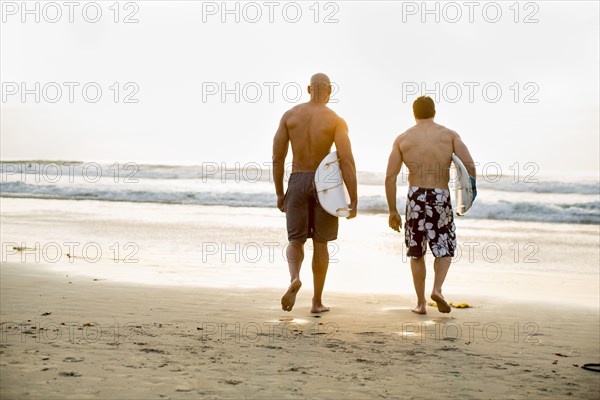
[[70, 373], [147, 350], [73, 359], [446, 348]]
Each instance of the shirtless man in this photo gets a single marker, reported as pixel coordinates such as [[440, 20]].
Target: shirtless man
[[426, 149], [312, 128]]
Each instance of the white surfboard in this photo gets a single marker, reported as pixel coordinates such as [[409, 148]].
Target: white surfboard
[[331, 190], [463, 192]]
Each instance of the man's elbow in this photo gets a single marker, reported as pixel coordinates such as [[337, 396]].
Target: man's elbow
[[348, 163], [278, 159]]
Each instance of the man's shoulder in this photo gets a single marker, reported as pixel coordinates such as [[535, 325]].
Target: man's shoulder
[[330, 114], [333, 117], [406, 134], [447, 130], [292, 111], [306, 107]]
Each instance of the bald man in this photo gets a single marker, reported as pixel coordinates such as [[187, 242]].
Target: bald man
[[312, 128]]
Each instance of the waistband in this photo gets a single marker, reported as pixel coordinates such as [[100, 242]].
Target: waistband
[[303, 173], [415, 189]]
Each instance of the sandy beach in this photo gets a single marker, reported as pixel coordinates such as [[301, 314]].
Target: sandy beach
[[171, 326], [73, 337], [187, 320]]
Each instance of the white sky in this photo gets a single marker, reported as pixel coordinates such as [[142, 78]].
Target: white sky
[[370, 53]]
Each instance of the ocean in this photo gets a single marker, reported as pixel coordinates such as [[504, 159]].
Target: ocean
[[510, 198]]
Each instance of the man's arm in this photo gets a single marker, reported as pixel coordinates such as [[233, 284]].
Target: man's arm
[[347, 165], [391, 176], [280, 149], [461, 150]]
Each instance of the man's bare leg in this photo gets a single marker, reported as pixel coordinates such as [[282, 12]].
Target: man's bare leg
[[295, 256], [441, 266], [320, 264], [417, 265]]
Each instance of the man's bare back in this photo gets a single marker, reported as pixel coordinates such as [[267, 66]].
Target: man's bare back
[[311, 129], [426, 149]]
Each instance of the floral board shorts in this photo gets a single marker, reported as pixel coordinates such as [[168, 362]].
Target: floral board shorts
[[429, 218]]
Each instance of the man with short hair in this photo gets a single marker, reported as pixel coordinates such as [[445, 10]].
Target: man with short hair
[[311, 128], [427, 149]]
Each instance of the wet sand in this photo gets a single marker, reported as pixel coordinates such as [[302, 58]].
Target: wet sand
[[213, 246], [76, 337]]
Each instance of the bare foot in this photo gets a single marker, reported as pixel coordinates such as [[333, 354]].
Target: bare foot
[[318, 308], [442, 306], [420, 309], [289, 298]]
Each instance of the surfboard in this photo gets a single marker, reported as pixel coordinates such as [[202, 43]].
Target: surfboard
[[463, 192], [331, 190]]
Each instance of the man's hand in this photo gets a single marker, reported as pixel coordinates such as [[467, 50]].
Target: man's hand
[[395, 220], [353, 210], [280, 198]]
